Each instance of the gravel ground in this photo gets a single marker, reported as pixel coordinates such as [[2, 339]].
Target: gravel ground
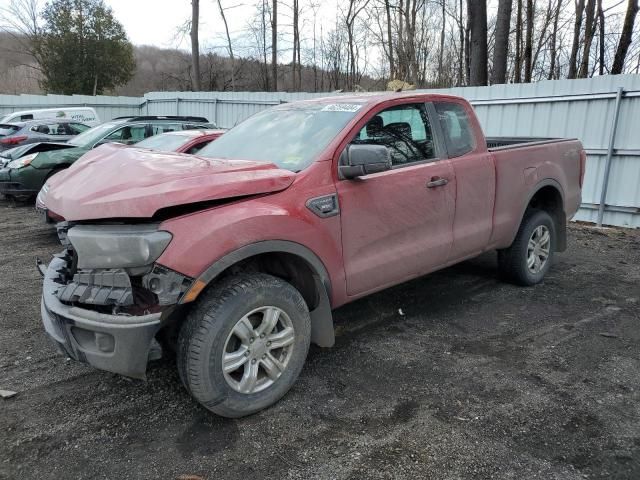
[[452, 376]]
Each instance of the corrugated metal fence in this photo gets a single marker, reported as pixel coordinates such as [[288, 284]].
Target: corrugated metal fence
[[585, 109]]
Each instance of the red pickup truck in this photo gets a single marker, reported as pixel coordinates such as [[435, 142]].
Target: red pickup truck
[[235, 258]]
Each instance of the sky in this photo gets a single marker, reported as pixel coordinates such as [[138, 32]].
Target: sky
[[155, 22]]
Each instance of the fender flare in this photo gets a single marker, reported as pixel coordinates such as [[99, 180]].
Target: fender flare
[[562, 222], [322, 332]]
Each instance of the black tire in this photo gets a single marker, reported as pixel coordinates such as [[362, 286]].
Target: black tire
[[512, 261], [203, 341]]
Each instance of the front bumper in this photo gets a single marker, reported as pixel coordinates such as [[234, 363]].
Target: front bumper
[[116, 343], [10, 186]]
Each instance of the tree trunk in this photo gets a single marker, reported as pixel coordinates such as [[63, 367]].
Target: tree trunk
[[501, 47], [294, 75], [575, 46], [528, 47], [625, 37], [590, 11], [195, 46], [517, 67], [601, 37], [554, 41], [477, 11], [462, 48], [274, 46], [467, 49], [392, 70], [226, 28], [441, 52]]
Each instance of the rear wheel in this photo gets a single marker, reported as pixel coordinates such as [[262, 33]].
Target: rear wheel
[[244, 344], [528, 259]]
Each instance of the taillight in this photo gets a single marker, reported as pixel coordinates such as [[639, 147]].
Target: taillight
[[13, 140], [583, 166]]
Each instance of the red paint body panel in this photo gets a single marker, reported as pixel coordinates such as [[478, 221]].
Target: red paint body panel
[[114, 181], [390, 228], [205, 136], [394, 227]]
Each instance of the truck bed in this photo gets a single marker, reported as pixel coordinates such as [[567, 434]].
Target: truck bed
[[523, 164], [505, 143]]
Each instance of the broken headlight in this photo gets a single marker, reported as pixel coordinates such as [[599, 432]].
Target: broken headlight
[[117, 246]]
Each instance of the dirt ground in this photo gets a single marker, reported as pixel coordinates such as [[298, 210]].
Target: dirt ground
[[452, 376]]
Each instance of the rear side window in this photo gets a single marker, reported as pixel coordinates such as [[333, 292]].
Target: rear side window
[[158, 128], [6, 130], [456, 126], [128, 135], [76, 128]]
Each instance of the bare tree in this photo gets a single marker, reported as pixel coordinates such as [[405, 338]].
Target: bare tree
[[230, 48], [589, 30], [478, 14], [554, 41], [392, 70], [195, 47], [518, 53], [274, 45], [461, 37], [501, 46], [625, 37], [575, 46], [355, 8], [295, 64], [601, 39], [442, 37], [528, 46], [19, 19]]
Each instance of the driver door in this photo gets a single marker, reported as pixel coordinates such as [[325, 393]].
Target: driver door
[[398, 224]]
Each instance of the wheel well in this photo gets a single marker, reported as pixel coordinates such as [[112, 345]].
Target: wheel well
[[287, 266], [549, 199]]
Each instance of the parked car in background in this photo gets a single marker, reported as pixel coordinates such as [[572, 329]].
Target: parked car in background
[[242, 251], [86, 115], [25, 176], [15, 153], [185, 141], [33, 131]]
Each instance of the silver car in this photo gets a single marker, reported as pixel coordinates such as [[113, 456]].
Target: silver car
[[34, 131]]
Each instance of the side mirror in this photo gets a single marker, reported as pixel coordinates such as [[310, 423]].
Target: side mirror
[[359, 160]]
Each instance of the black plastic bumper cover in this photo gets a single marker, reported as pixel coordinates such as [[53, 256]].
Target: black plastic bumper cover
[[116, 343], [15, 188]]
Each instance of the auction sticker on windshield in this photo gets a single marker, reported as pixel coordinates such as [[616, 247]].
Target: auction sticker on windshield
[[342, 107]]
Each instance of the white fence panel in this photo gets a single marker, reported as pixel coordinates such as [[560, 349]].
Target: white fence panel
[[583, 109]]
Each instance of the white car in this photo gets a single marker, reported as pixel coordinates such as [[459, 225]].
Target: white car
[[86, 115]]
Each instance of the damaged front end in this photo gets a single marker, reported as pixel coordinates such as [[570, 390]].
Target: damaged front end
[[104, 297]]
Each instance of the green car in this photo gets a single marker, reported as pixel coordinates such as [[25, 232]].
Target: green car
[[25, 176]]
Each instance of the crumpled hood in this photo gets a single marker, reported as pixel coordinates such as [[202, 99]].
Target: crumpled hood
[[116, 181]]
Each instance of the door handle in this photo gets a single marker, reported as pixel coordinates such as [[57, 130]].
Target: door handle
[[437, 182]]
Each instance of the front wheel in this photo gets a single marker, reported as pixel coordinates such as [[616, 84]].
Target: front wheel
[[244, 344], [529, 257]]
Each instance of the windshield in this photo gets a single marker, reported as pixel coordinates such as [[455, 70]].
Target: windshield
[[89, 137], [16, 152], [165, 143], [290, 136]]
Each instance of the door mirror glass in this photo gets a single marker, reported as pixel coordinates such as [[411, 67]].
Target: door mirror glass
[[362, 159]]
